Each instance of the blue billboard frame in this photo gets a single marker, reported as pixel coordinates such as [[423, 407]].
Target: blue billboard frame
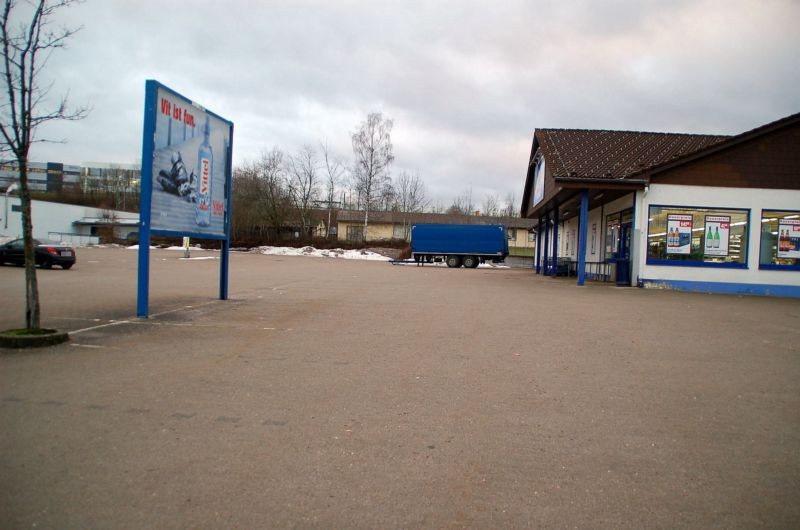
[[152, 88]]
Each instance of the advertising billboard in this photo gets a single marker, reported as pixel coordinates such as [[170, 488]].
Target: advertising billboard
[[679, 233], [789, 238], [538, 182], [186, 178], [189, 168], [717, 233]]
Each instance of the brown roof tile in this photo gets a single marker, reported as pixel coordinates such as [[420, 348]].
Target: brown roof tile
[[581, 153]]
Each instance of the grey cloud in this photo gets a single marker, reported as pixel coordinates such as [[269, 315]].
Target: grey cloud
[[466, 82]]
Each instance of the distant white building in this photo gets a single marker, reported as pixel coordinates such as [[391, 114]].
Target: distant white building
[[81, 225]]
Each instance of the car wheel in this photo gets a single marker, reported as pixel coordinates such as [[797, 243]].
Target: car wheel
[[67, 266], [453, 261], [47, 264], [470, 262]]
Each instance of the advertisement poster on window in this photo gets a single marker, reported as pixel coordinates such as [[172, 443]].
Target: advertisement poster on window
[[679, 233], [189, 167], [594, 237], [789, 238], [717, 229], [538, 182]]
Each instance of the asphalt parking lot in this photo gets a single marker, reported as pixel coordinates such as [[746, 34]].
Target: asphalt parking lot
[[345, 394]]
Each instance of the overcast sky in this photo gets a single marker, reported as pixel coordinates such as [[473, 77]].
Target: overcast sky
[[466, 82]]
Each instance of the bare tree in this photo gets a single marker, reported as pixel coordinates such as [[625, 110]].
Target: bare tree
[[511, 208], [409, 197], [491, 206], [372, 149], [334, 172], [387, 195], [463, 203], [27, 46], [273, 192], [302, 169]]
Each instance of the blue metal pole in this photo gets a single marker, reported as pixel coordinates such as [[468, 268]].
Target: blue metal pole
[[146, 188], [546, 250], [582, 227], [555, 241], [226, 243], [539, 235]]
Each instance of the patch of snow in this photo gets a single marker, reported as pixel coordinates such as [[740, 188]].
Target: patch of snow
[[182, 248], [317, 253], [200, 258], [487, 265]]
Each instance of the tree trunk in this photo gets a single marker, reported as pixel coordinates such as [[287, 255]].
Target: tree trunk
[[31, 284]]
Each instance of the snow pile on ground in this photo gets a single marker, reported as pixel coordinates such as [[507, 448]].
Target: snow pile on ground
[[324, 253]]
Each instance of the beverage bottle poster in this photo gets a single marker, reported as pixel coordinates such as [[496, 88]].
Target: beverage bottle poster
[[716, 231], [679, 233], [189, 167], [789, 238]]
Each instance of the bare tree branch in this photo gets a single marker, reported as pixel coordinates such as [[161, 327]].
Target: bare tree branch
[[26, 51]]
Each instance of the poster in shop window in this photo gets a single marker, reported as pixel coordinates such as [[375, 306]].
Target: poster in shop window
[[789, 238], [717, 229], [679, 233]]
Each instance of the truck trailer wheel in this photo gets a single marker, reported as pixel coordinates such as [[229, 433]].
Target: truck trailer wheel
[[453, 261], [471, 262]]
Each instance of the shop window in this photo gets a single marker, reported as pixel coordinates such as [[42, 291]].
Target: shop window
[[699, 237], [511, 234], [612, 235], [531, 237], [780, 240]]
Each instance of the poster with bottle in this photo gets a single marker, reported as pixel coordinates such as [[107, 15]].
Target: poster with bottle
[[189, 170], [716, 232], [789, 238], [679, 233]]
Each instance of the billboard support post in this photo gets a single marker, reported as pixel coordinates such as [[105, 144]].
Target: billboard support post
[[186, 179]]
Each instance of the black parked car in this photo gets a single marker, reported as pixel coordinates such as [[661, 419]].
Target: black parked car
[[48, 253]]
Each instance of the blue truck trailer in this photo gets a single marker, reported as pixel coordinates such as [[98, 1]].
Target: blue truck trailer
[[457, 245]]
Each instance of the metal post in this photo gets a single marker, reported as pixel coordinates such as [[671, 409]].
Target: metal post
[[546, 251], [148, 146], [555, 240], [538, 249], [582, 227]]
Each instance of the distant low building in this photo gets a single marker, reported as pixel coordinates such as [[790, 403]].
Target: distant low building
[[57, 177], [397, 225], [42, 176], [80, 225]]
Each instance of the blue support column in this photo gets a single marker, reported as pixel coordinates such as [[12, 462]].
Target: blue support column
[[555, 241], [148, 146], [546, 251], [537, 262], [582, 227]]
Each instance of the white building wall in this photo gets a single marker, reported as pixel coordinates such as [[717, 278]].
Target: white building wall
[[52, 218], [755, 200]]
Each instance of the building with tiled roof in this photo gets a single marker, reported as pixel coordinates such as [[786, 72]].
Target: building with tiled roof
[[694, 211]]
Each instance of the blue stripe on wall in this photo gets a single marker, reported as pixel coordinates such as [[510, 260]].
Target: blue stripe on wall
[[790, 291]]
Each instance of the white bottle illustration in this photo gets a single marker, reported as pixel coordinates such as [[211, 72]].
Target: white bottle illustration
[[205, 164], [716, 238]]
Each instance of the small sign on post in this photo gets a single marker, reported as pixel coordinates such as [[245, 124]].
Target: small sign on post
[[186, 247]]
